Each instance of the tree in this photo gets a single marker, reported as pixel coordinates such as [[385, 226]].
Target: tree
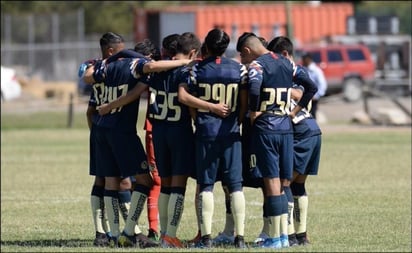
[[401, 9]]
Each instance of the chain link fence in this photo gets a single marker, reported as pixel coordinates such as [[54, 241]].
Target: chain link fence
[[50, 47]]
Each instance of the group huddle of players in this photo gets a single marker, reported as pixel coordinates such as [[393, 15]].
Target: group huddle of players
[[245, 123]]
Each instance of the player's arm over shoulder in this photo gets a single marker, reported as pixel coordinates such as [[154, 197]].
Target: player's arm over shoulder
[[163, 65], [95, 73]]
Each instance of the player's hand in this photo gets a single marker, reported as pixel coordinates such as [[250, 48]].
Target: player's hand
[[221, 110], [103, 109]]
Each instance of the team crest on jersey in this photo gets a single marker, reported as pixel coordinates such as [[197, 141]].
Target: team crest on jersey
[[254, 69], [144, 165]]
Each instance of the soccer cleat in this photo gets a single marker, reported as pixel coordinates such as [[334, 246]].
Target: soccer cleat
[[240, 242], [302, 239], [144, 242], [292, 240], [284, 240], [101, 240], [272, 243], [153, 235], [127, 240], [114, 242], [196, 239], [171, 242], [223, 239], [261, 238], [204, 243]]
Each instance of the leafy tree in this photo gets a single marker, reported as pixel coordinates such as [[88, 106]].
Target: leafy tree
[[401, 9]]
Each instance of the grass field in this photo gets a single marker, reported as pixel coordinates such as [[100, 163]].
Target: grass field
[[359, 202]]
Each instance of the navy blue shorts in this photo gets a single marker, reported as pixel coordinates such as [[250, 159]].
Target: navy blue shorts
[[221, 159], [92, 151], [174, 150], [250, 180], [250, 172], [307, 155], [274, 155], [119, 154]]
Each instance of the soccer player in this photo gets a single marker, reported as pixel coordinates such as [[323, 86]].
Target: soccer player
[[271, 77], [149, 50], [251, 178], [120, 152], [307, 147], [173, 140], [110, 43], [169, 120], [218, 79]]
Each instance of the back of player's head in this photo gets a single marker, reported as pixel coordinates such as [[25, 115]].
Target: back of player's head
[[264, 41], [147, 48], [244, 39], [187, 42], [217, 42], [280, 44], [203, 50], [169, 44], [110, 40]]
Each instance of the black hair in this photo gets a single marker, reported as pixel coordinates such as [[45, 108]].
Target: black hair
[[203, 50], [242, 39], [109, 40], [148, 49], [187, 42], [279, 44], [169, 44], [217, 42]]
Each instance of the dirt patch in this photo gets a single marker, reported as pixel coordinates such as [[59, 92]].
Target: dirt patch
[[61, 91]]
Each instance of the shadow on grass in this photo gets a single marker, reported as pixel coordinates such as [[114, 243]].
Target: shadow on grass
[[50, 243]]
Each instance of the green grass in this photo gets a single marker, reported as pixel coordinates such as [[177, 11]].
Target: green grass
[[359, 202]]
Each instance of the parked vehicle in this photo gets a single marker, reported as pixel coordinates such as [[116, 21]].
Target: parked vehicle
[[392, 55], [10, 86], [347, 68]]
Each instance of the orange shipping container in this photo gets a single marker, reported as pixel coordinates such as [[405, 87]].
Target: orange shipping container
[[309, 23]]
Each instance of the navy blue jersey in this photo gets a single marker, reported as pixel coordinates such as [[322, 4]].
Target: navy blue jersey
[[164, 106], [304, 125], [97, 88], [173, 137], [271, 77], [217, 80], [119, 77], [302, 78]]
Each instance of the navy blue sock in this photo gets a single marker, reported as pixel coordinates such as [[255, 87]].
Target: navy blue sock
[[274, 205], [97, 191]]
